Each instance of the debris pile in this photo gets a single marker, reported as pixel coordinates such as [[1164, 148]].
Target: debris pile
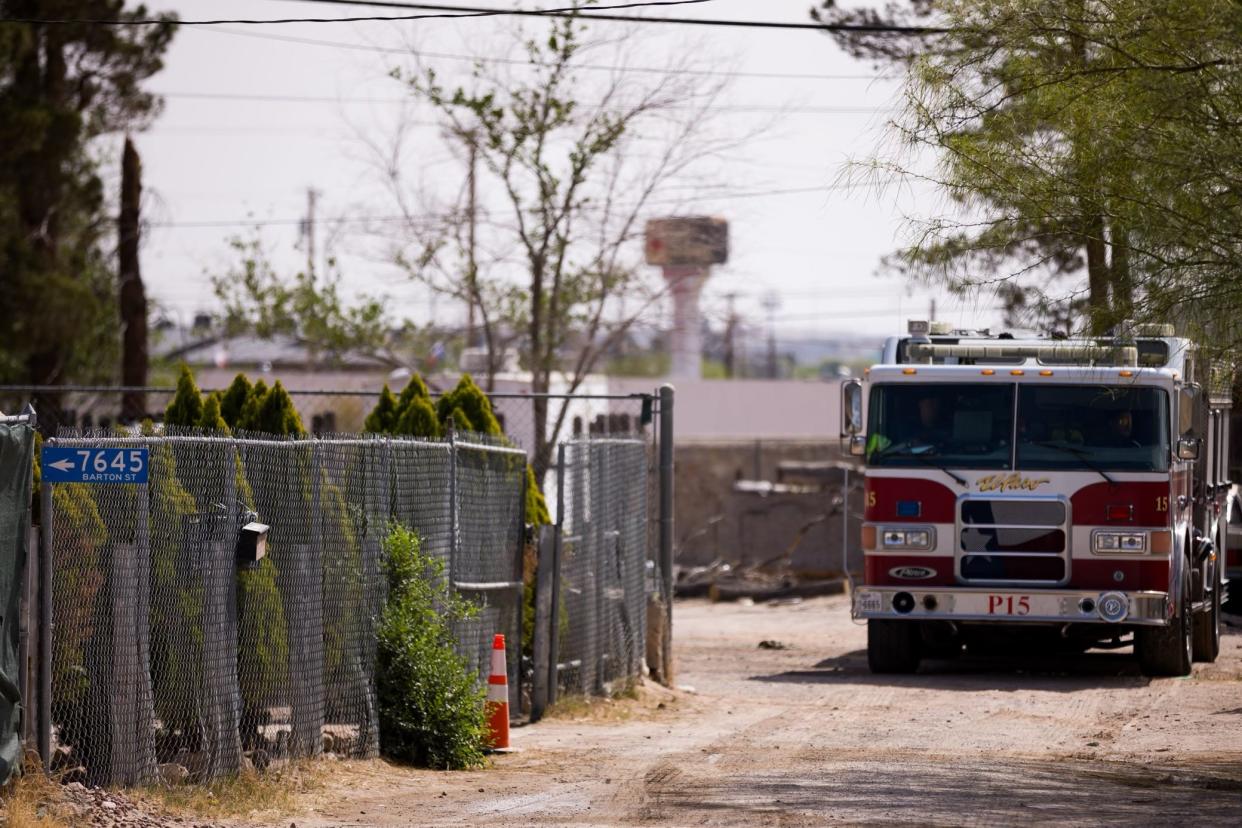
[[720, 581]]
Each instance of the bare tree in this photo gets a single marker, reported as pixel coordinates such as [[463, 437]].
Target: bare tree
[[541, 242]]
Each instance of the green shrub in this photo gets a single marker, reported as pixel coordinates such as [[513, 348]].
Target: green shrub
[[186, 408], [248, 419], [176, 620], [234, 400], [459, 419], [418, 419], [470, 408], [263, 645], [277, 415], [414, 389], [430, 703], [383, 418], [211, 419], [537, 513]]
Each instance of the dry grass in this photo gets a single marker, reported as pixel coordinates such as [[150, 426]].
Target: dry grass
[[637, 700], [30, 801], [249, 794]]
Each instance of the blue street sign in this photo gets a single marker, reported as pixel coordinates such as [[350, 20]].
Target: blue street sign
[[62, 464]]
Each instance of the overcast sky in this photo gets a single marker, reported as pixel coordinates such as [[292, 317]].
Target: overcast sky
[[252, 121]]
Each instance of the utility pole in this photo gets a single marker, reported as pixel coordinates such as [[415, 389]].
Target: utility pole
[[771, 302], [308, 230], [472, 266], [932, 314], [730, 356]]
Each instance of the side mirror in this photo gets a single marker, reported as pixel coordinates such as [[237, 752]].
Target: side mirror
[[851, 408], [858, 445], [1188, 448], [1188, 401]]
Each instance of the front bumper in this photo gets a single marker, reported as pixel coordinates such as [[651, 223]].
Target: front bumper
[[1012, 606]]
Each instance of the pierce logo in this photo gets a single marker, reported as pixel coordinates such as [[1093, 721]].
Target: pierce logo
[[912, 573], [1009, 483]]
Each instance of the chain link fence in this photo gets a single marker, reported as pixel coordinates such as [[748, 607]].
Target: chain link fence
[[165, 650], [168, 648], [600, 574]]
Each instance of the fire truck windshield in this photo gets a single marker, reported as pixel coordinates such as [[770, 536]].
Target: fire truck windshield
[[967, 425], [1100, 427]]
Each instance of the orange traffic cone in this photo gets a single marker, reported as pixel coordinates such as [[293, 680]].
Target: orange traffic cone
[[498, 698]]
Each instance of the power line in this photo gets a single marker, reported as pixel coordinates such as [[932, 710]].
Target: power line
[[396, 50], [285, 98], [460, 11], [434, 217], [591, 14], [574, 12]]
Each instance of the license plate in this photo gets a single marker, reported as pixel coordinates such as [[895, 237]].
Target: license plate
[[1006, 604]]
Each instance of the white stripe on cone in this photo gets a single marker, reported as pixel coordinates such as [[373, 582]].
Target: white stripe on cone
[[498, 664], [498, 693]]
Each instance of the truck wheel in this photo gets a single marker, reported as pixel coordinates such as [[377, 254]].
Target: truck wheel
[[1207, 630], [893, 646], [1166, 651]]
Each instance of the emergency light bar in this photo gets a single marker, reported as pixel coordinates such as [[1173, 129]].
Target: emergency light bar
[[1091, 354]]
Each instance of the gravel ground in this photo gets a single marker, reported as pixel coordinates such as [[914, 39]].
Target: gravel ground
[[805, 735]]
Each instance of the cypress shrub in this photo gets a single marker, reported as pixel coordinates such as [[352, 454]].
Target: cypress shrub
[[415, 388], [186, 408], [211, 419], [234, 400], [460, 420], [277, 414], [473, 404], [248, 419], [383, 418], [77, 577], [418, 419]]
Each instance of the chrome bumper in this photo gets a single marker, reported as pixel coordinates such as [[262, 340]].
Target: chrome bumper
[[1012, 606]]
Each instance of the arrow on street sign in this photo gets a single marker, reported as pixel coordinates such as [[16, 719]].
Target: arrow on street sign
[[62, 465]]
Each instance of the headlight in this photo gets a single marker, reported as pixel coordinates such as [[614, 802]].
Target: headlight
[[922, 538], [1123, 542]]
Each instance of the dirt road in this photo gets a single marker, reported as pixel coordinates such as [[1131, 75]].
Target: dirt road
[[806, 736]]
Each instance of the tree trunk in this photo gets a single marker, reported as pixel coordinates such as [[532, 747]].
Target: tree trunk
[[133, 300], [1119, 271], [1097, 274]]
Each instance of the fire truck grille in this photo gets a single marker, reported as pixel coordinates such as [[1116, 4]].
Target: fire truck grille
[[1013, 541]]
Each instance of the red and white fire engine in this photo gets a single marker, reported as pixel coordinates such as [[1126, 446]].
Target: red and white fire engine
[[1064, 489]]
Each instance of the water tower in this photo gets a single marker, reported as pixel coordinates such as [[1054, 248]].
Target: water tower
[[685, 248]]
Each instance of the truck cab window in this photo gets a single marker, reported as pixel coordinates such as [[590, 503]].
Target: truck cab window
[[1113, 428], [964, 425]]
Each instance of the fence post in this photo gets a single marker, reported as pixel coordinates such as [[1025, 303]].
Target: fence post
[[554, 615], [30, 592], [45, 626], [666, 526], [519, 567], [545, 665], [25, 599], [452, 551], [598, 648]]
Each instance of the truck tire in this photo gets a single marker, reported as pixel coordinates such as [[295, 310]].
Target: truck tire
[[1166, 651], [1207, 630], [893, 646]]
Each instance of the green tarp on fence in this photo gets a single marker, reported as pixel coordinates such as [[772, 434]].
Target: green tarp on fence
[[16, 454]]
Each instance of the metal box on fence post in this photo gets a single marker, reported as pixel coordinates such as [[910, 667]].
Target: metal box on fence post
[[252, 542]]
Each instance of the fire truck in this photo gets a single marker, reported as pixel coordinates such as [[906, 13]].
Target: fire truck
[[1042, 492]]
